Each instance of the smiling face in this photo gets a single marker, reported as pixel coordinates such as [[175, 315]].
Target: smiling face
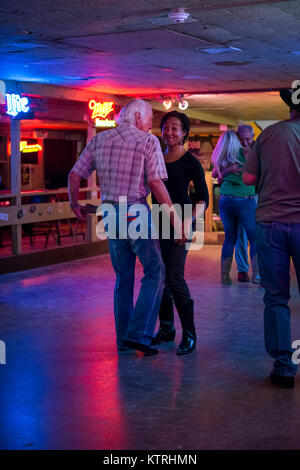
[[172, 132], [246, 138]]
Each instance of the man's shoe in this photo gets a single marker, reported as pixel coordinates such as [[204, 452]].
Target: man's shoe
[[163, 336], [282, 381], [243, 277], [141, 347], [256, 278], [188, 343]]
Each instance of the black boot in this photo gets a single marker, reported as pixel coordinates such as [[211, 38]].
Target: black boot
[[164, 335], [225, 270], [186, 314], [188, 343], [166, 332]]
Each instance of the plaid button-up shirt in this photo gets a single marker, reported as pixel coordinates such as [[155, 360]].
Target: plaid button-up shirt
[[126, 159]]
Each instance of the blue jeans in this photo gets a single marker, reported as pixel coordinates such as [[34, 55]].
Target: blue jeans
[[241, 250], [235, 210], [136, 322], [276, 244]]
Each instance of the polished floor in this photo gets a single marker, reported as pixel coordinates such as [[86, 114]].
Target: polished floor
[[64, 386]]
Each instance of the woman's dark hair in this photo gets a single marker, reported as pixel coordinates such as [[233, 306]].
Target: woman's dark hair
[[185, 122]]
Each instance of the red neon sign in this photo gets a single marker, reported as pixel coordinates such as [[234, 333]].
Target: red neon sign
[[101, 110]]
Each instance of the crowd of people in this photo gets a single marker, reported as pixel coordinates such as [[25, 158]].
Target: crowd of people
[[129, 162]]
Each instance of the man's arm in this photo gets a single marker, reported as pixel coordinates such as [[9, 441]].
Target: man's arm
[[249, 180], [160, 192], [214, 173], [73, 188], [236, 169], [162, 195], [251, 169]]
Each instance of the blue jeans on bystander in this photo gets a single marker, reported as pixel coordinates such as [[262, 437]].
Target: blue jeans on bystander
[[235, 211], [241, 250], [276, 243]]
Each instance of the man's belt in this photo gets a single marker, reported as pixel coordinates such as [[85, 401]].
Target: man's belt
[[92, 209]]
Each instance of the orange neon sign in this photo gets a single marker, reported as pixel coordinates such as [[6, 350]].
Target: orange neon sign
[[101, 110]]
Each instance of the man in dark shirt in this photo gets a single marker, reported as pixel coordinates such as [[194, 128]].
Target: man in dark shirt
[[274, 164]]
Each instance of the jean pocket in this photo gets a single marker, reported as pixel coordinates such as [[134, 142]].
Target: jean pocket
[[264, 234]]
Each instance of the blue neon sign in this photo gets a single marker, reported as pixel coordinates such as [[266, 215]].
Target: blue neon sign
[[16, 104]]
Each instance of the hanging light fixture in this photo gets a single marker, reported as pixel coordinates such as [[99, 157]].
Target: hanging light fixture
[[168, 103], [183, 105]]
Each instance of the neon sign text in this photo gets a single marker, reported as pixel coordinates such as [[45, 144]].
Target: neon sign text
[[16, 104], [29, 148], [101, 110], [25, 148], [105, 123]]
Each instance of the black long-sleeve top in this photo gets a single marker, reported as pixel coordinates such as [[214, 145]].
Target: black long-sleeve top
[[180, 174]]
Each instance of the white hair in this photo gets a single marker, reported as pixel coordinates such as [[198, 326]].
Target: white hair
[[226, 151], [127, 113], [245, 127]]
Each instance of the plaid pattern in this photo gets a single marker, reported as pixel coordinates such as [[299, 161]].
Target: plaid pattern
[[126, 159]]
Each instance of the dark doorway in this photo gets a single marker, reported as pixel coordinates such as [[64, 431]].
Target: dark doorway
[[60, 156]]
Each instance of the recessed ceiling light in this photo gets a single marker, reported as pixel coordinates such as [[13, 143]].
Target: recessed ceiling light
[[231, 63], [74, 77], [220, 50], [295, 52], [26, 45], [192, 77]]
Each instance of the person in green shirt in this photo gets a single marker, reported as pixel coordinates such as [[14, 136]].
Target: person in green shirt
[[237, 201]]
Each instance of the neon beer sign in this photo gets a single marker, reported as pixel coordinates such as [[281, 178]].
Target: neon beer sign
[[16, 104], [25, 147], [101, 111]]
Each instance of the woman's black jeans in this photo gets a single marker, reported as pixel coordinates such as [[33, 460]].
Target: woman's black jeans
[[174, 256]]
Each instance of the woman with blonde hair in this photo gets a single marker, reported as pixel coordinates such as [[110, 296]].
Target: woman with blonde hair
[[237, 201]]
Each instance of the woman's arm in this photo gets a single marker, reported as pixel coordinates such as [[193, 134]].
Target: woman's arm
[[236, 169], [200, 186], [214, 173]]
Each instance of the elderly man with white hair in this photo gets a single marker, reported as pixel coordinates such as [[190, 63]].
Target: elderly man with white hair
[[129, 163]]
